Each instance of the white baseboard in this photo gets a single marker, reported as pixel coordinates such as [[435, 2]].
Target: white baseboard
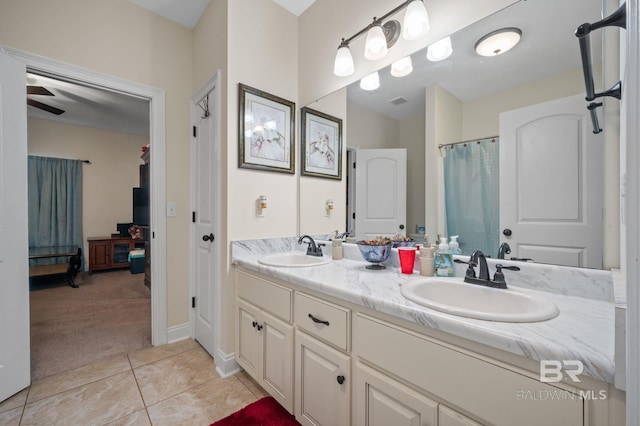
[[226, 364], [178, 332]]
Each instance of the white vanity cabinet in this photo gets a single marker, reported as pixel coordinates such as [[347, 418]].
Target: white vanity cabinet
[[323, 373], [264, 343]]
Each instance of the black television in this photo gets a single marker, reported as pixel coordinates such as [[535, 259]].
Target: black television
[[141, 206]]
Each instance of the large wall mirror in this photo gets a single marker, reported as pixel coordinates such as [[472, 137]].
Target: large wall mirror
[[467, 92]]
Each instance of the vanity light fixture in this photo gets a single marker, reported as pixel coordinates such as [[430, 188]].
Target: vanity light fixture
[[416, 21], [402, 67], [497, 42], [343, 65], [376, 45], [370, 82], [382, 35], [440, 50]]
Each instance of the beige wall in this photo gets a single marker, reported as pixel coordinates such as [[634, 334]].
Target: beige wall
[[369, 129], [411, 135], [116, 37], [107, 181]]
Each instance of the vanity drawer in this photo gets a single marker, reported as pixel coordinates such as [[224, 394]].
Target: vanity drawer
[[323, 319], [268, 296]]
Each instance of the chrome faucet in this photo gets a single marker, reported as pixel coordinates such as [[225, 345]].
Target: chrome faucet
[[478, 259], [313, 249], [503, 249]]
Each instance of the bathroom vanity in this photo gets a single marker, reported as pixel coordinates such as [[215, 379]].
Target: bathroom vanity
[[338, 344]]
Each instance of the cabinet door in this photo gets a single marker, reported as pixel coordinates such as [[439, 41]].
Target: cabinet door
[[248, 342], [382, 401], [99, 255], [449, 417], [120, 253], [277, 359], [322, 383]]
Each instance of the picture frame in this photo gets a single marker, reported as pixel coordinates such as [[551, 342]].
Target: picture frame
[[321, 140], [266, 131]]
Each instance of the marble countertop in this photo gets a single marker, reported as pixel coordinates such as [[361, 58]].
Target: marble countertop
[[584, 330]]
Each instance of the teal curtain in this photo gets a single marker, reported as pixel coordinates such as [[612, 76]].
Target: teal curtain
[[55, 204], [472, 198]]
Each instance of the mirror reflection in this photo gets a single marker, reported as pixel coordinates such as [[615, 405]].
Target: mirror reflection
[[462, 98]]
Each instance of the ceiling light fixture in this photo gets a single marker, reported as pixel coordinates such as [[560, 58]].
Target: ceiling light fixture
[[497, 42], [382, 36], [440, 50], [370, 82], [402, 67]]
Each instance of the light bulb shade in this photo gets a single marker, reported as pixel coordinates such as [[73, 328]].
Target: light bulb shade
[[440, 50], [497, 42], [343, 65], [370, 82], [416, 21], [376, 45], [402, 67]]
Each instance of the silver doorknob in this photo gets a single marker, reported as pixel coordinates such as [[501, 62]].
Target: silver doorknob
[[207, 237]]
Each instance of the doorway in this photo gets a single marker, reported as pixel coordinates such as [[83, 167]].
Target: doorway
[[155, 97]]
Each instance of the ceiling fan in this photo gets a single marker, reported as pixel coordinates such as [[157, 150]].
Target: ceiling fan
[[42, 91]]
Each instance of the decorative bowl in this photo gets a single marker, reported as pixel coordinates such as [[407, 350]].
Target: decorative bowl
[[375, 253], [397, 244]]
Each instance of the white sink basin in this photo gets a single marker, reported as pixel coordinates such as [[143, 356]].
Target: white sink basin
[[293, 259], [454, 296]]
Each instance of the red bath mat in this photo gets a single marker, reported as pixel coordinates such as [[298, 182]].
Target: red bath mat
[[264, 412]]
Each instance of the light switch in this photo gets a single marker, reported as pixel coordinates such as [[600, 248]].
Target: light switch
[[171, 209]]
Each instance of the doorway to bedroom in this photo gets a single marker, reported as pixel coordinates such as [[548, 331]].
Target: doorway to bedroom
[[107, 134]]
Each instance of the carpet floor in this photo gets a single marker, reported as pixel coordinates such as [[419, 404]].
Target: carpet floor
[[109, 314]]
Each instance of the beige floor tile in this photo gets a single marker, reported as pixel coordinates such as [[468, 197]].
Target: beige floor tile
[[139, 418], [149, 355], [170, 376], [251, 384], [203, 404], [17, 400], [94, 404], [11, 417], [52, 385]]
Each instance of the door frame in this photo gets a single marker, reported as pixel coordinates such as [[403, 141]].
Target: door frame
[[156, 97], [225, 363]]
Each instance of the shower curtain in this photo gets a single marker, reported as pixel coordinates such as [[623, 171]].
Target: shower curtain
[[55, 204], [472, 199]]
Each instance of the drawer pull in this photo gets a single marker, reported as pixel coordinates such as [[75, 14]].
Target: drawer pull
[[318, 321], [254, 324], [259, 327], [340, 379]]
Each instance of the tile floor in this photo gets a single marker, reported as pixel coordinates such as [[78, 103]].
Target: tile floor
[[174, 384]]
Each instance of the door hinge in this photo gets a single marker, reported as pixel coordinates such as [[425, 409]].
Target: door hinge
[[354, 164], [193, 302], [194, 131], [353, 215], [193, 217], [153, 234]]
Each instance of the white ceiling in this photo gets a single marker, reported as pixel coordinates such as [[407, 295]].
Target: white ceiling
[[548, 46]]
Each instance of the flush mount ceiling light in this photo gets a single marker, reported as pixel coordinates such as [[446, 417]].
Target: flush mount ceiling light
[[370, 82], [497, 42], [402, 68], [440, 50], [382, 35]]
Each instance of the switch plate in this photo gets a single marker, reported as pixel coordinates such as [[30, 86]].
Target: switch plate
[[171, 209]]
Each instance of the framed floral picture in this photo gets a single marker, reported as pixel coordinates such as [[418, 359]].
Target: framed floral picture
[[265, 134], [321, 136]]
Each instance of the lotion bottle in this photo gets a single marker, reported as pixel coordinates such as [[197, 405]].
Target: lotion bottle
[[443, 260]]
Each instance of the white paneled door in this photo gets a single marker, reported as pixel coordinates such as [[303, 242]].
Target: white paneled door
[[551, 183], [381, 193], [206, 240], [14, 255]]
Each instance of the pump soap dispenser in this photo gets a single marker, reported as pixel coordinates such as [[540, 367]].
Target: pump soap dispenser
[[454, 247], [443, 260]]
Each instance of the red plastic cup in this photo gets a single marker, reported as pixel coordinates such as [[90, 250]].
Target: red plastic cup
[[407, 256]]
